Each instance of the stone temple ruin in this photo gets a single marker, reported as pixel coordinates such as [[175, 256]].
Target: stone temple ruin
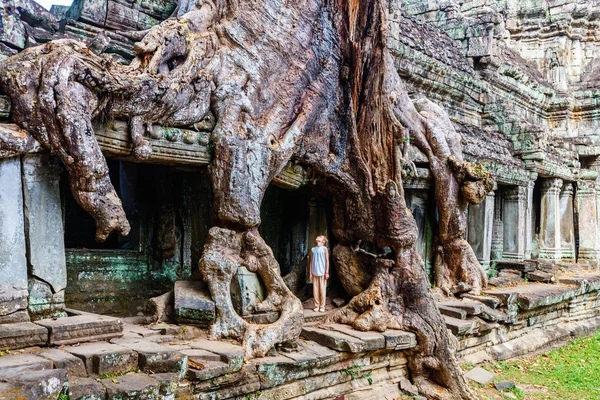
[[518, 83]]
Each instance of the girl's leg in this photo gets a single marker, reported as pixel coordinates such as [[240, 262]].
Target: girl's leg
[[316, 292], [322, 288]]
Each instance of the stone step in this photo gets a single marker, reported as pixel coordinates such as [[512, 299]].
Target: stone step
[[399, 340], [470, 307], [488, 301], [22, 334], [131, 386], [452, 312], [459, 327], [372, 340], [155, 358], [230, 353], [82, 328], [64, 360], [105, 358], [201, 371]]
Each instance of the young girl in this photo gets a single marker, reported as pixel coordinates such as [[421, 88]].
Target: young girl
[[319, 271]]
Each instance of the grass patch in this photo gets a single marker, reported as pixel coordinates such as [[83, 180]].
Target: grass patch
[[571, 372]]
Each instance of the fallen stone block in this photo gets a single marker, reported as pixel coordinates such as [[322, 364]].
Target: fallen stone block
[[86, 389], [200, 355], [105, 358], [82, 328], [193, 303], [540, 276], [490, 314], [131, 386], [480, 375], [61, 359], [22, 334], [207, 370], [334, 340], [488, 301], [338, 302]]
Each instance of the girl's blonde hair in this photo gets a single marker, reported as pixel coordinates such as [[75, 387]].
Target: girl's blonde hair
[[323, 238]]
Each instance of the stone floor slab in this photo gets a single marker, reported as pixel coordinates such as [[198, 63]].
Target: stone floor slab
[[82, 328], [22, 334], [334, 340], [480, 375], [23, 362], [105, 358], [201, 355], [61, 359]]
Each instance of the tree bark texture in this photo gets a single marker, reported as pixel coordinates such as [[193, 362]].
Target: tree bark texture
[[309, 80]]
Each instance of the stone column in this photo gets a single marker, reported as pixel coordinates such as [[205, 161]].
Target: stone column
[[587, 212], [550, 219], [45, 236], [513, 217], [529, 220], [480, 228], [498, 228], [567, 226], [13, 260]]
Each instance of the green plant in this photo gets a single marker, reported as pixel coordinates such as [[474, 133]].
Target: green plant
[[63, 396]]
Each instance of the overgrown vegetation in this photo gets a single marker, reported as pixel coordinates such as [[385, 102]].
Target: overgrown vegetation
[[568, 373]]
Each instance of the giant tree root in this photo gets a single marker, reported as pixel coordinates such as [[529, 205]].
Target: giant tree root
[[225, 250]]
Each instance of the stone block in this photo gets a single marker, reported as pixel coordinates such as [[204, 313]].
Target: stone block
[[503, 385], [372, 340], [452, 312], [199, 355], [459, 327], [207, 370], [63, 360], [470, 307], [399, 340], [131, 386], [167, 384], [154, 357], [105, 358], [86, 389], [43, 302], [488, 301], [35, 385], [22, 334], [193, 303], [230, 353], [334, 340], [247, 291], [82, 328], [480, 375], [19, 363]]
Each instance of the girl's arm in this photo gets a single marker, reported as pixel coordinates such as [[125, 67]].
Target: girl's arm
[[326, 263], [310, 263]]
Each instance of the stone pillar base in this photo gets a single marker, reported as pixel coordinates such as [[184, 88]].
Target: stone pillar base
[[550, 254]]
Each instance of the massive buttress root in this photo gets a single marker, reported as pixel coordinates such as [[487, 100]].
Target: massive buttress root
[[225, 251]]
